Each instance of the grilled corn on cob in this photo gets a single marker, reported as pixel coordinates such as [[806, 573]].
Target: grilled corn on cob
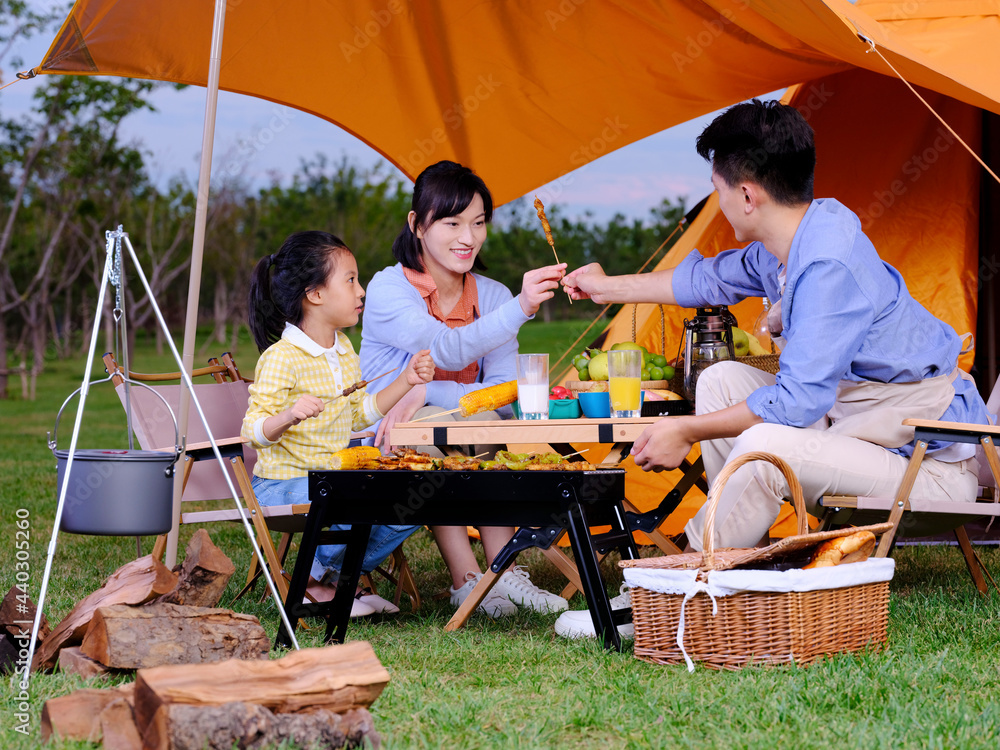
[[354, 458], [487, 399]]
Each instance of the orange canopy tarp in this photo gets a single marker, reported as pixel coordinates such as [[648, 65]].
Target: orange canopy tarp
[[523, 91]]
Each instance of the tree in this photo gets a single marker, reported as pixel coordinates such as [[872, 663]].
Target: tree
[[66, 169]]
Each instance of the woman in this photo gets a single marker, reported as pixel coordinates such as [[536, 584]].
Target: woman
[[431, 299]]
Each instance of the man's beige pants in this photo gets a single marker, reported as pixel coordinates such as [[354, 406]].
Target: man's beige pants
[[825, 464]]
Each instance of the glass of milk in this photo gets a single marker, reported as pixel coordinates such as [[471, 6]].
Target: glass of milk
[[533, 385]]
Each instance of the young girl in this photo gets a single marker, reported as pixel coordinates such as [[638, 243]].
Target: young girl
[[432, 300], [300, 298]]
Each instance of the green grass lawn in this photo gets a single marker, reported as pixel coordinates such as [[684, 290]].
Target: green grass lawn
[[513, 683]]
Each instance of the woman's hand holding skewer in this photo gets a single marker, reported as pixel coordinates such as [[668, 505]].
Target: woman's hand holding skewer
[[539, 285]]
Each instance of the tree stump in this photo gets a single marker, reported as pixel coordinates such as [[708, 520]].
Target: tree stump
[[123, 637]]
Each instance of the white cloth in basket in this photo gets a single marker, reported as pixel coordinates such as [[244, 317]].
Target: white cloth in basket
[[721, 583]]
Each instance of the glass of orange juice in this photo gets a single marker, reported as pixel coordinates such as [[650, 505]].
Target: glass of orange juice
[[624, 370]]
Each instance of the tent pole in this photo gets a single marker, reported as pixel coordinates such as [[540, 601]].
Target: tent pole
[[197, 251]]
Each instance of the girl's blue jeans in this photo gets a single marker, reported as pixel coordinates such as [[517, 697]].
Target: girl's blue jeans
[[330, 557]]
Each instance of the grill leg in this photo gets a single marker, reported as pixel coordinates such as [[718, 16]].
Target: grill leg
[[590, 576]]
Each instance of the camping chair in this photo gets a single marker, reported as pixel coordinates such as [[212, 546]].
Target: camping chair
[[224, 402], [947, 515]]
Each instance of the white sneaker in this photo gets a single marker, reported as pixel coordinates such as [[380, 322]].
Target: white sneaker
[[360, 609], [579, 624], [517, 586], [377, 603], [624, 598], [493, 605]]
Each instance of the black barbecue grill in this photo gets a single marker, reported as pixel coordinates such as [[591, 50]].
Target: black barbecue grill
[[541, 503]]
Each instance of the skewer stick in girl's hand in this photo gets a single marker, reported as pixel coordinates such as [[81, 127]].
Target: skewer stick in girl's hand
[[357, 386], [540, 210]]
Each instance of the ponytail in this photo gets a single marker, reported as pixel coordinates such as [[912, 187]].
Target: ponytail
[[281, 281], [265, 320], [406, 249]]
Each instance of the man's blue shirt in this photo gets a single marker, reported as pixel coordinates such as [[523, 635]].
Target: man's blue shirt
[[846, 315]]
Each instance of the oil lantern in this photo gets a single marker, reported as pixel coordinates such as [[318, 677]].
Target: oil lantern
[[708, 338]]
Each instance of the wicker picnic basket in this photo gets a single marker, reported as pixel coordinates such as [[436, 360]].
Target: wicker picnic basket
[[722, 608]]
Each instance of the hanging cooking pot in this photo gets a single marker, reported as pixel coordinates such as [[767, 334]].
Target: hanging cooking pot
[[117, 492]]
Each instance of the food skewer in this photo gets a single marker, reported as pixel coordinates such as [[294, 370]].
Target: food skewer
[[357, 386], [540, 210], [438, 414]]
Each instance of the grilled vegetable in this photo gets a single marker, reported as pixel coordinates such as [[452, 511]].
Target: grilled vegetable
[[488, 399], [354, 458]]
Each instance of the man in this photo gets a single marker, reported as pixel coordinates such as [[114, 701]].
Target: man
[[858, 353]]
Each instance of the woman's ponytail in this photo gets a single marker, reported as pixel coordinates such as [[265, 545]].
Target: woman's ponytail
[[406, 249]]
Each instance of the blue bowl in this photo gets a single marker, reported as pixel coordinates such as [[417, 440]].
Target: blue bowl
[[597, 405]]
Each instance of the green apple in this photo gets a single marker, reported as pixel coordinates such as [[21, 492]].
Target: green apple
[[628, 345], [598, 367]]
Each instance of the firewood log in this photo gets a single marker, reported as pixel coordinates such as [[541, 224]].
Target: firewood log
[[124, 637], [135, 582], [72, 661], [252, 726], [203, 575], [118, 730], [17, 613], [336, 678], [77, 716]]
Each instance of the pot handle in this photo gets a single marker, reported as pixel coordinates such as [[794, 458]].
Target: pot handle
[[53, 436]]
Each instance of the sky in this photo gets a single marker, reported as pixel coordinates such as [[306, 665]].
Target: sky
[[631, 180]]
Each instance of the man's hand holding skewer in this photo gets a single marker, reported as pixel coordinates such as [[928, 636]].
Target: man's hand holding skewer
[[585, 283]]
